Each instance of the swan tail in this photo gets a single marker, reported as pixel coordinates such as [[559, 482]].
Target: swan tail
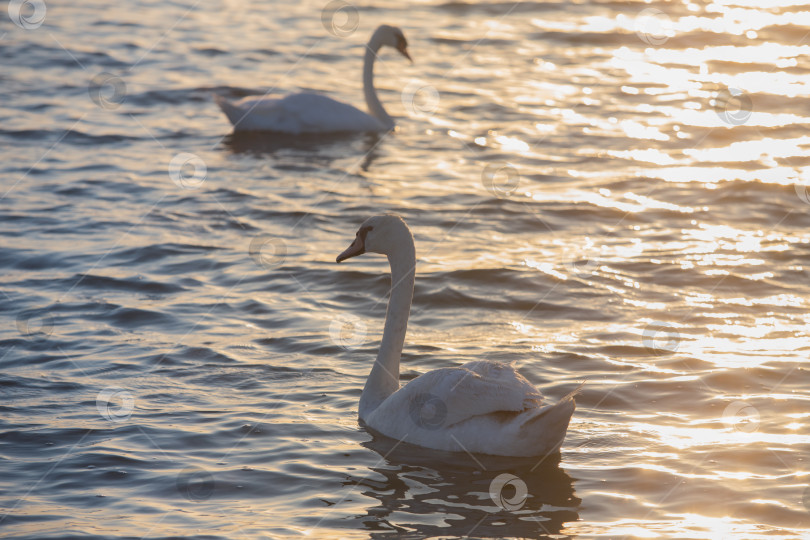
[[233, 113], [546, 429], [573, 393]]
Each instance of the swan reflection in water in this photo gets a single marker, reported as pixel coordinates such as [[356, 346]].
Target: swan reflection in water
[[430, 493], [320, 149]]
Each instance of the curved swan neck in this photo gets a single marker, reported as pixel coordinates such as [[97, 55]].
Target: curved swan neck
[[384, 378], [375, 108]]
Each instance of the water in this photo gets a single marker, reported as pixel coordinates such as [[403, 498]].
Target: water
[[597, 192]]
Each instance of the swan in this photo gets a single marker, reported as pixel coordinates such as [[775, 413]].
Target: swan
[[480, 407], [307, 113]]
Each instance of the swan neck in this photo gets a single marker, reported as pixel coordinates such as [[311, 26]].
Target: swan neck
[[384, 378], [375, 108]]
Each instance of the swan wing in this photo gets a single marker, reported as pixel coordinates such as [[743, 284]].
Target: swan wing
[[244, 113], [319, 113], [297, 114], [454, 395]]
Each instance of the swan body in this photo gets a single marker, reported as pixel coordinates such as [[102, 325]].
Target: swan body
[[479, 407], [308, 113], [296, 114]]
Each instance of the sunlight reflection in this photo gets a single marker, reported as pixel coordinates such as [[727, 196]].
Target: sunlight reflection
[[650, 155], [735, 21], [511, 144], [754, 150], [785, 176], [639, 203], [682, 438], [546, 268]]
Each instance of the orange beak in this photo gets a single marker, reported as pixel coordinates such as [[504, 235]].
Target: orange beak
[[357, 248], [404, 52]]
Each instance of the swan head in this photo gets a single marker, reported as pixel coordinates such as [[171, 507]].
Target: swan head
[[391, 36], [379, 234]]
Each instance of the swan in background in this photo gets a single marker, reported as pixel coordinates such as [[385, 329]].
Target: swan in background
[[479, 407], [313, 113]]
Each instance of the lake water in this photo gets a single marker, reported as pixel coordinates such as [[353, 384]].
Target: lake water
[[609, 192]]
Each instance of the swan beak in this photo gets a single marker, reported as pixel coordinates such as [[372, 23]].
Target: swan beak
[[357, 248], [404, 52]]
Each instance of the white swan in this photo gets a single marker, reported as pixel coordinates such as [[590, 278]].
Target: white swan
[[479, 407], [313, 113]]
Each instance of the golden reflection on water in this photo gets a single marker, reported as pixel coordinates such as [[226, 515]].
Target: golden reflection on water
[[678, 313]]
